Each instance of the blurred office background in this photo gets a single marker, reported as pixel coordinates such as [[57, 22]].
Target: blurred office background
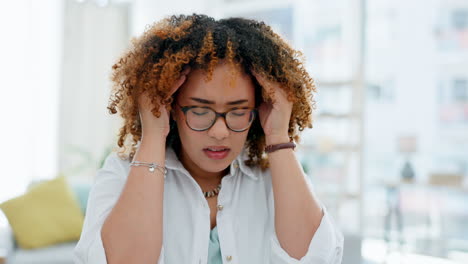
[[388, 152]]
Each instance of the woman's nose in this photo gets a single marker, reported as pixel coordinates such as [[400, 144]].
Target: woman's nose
[[219, 130]]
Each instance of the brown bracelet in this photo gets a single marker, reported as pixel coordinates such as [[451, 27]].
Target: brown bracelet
[[271, 148]]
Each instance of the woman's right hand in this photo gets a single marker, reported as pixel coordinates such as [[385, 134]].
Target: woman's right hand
[[150, 124]]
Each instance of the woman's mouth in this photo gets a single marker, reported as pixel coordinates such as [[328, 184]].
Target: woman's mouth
[[216, 152]]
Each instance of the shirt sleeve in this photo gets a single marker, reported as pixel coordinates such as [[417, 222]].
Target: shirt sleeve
[[106, 190], [326, 246]]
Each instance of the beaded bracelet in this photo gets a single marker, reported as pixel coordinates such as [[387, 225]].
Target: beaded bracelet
[[151, 166]]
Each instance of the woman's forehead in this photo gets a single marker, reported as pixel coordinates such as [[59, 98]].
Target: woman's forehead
[[223, 87]]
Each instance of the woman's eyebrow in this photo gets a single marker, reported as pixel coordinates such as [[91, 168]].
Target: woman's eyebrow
[[204, 101]]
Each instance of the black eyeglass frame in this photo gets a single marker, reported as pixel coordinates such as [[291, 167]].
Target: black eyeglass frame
[[184, 109]]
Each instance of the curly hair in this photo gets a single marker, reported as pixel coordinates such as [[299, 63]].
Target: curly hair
[[154, 61]]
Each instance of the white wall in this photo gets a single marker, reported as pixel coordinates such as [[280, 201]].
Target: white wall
[[145, 12], [30, 50], [94, 38]]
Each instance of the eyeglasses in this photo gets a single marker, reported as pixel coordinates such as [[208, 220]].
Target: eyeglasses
[[201, 118]]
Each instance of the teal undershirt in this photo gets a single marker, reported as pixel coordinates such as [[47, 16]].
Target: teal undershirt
[[214, 251]]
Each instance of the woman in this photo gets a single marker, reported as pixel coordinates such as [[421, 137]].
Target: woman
[[207, 172]]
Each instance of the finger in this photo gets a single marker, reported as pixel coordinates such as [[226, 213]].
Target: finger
[[269, 87], [265, 107], [263, 81], [181, 80], [260, 78], [177, 84], [186, 70]]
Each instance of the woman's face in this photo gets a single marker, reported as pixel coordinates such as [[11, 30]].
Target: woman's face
[[221, 96]]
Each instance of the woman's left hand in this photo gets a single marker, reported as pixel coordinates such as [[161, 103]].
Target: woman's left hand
[[274, 117]]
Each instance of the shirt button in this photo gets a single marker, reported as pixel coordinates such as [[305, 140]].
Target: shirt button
[[236, 164], [228, 258], [220, 207]]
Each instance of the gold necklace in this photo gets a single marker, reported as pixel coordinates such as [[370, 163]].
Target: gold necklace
[[213, 192]]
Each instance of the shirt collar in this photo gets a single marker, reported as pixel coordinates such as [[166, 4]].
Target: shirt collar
[[173, 162]]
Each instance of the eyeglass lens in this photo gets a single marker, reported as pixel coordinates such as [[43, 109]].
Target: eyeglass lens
[[200, 118]]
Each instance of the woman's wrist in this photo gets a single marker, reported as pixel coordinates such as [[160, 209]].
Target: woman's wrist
[[154, 138], [151, 149], [276, 139]]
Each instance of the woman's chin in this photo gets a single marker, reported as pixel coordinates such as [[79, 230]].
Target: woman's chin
[[217, 166]]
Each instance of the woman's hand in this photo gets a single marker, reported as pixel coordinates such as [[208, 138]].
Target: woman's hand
[[151, 124], [274, 117]]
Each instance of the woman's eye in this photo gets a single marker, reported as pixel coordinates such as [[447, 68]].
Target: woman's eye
[[197, 113], [239, 113]]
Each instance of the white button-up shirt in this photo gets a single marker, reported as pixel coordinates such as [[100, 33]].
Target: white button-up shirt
[[245, 218]]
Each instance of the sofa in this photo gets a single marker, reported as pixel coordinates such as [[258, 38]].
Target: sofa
[[55, 254]]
